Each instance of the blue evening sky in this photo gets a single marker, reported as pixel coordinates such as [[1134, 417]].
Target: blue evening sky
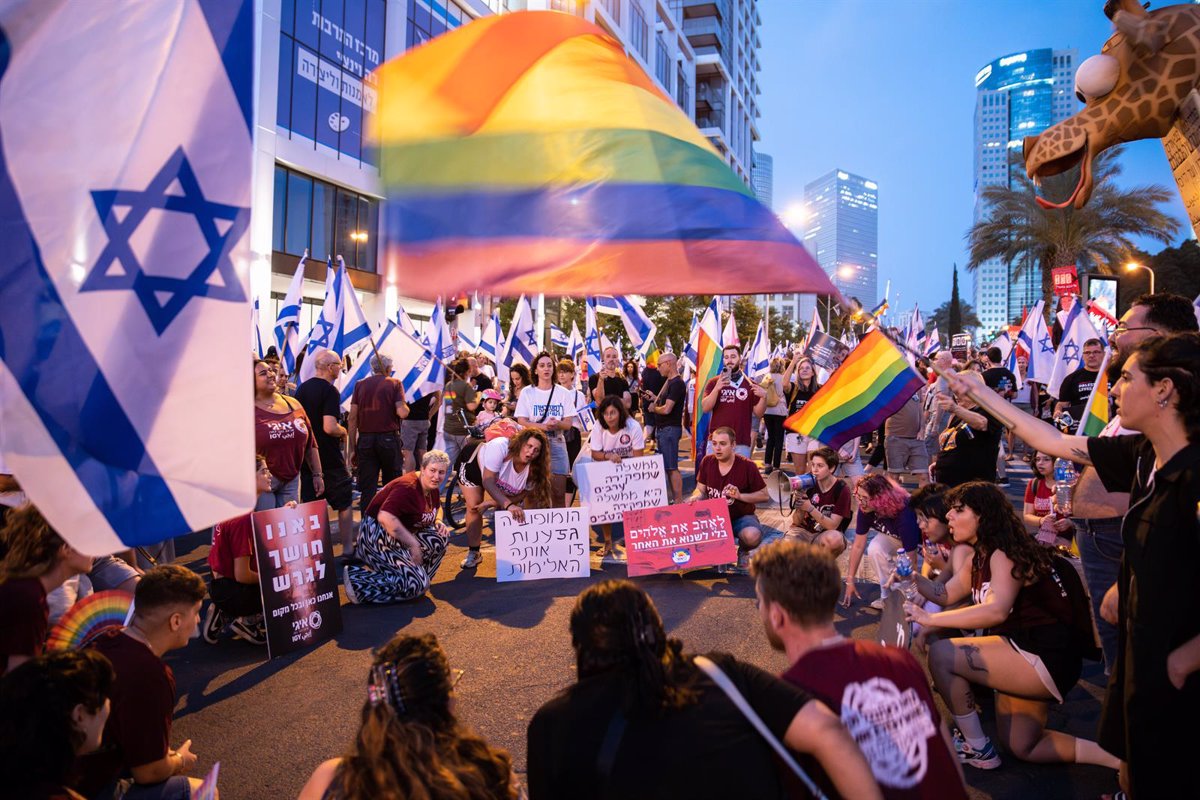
[[885, 89]]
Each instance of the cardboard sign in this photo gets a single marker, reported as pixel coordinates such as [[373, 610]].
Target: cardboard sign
[[296, 576], [609, 489], [551, 543], [1066, 280], [960, 345], [678, 538], [894, 629], [826, 351]]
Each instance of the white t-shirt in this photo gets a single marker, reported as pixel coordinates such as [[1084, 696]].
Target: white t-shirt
[[623, 442], [492, 456], [532, 403]]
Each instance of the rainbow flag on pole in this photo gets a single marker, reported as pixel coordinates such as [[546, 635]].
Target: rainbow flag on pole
[[525, 153], [1095, 413], [710, 361], [873, 383]]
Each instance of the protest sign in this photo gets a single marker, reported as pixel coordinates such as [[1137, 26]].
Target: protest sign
[[296, 576], [550, 543], [611, 489], [676, 538], [960, 345], [1065, 279], [826, 351]]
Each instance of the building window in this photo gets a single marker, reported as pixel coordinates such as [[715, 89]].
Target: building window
[[327, 51], [327, 220], [682, 90], [640, 33], [566, 6], [613, 7], [429, 19], [662, 62]]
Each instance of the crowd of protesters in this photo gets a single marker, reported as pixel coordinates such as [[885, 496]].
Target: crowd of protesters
[[998, 604]]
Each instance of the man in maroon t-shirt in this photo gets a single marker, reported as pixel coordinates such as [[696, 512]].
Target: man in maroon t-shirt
[[725, 474], [734, 401], [137, 736], [373, 438], [881, 693], [400, 541]]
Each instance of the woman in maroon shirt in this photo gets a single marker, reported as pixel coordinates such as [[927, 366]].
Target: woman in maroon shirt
[[38, 561], [284, 437]]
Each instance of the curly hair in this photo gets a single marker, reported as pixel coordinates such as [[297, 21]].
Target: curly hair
[[39, 739], [32, 545], [1176, 357], [616, 628], [999, 528], [410, 744], [887, 498], [537, 485]]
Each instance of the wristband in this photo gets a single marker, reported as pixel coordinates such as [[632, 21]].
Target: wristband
[[510, 505]]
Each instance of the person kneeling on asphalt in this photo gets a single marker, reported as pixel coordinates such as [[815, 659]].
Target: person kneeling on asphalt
[[236, 597], [725, 474], [822, 513], [400, 541]]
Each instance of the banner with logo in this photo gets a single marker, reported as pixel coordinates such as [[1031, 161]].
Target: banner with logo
[[679, 538], [297, 578]]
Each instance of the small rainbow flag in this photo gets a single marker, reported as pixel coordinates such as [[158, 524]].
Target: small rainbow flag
[[710, 360], [873, 383], [527, 153], [1095, 413]]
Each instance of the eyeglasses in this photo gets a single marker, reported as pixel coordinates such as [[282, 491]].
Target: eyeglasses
[[1122, 328]]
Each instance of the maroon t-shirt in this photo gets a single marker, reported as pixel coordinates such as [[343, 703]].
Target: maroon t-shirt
[[742, 474], [734, 408], [232, 539], [375, 401], [138, 731], [883, 699], [404, 498], [283, 439], [24, 619]]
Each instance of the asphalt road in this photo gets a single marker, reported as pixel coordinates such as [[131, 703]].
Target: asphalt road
[[271, 723]]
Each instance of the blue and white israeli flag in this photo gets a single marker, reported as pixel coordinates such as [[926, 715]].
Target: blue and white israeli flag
[[592, 346], [125, 167], [287, 324], [558, 338], [637, 324], [521, 345], [341, 325]]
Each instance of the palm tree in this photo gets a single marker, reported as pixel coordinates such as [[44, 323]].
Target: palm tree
[[942, 316], [1018, 231]]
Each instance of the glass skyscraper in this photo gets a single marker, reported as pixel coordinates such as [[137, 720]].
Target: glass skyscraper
[[842, 234], [762, 178], [1019, 95]]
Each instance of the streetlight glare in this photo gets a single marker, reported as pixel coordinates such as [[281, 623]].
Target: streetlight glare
[[795, 215], [1131, 266]]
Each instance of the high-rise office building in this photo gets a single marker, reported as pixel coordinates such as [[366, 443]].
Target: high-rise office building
[[724, 36], [762, 178], [1019, 95], [842, 234]]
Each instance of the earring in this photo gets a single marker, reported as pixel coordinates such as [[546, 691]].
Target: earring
[[1162, 403]]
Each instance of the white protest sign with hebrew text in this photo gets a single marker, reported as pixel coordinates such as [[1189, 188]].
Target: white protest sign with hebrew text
[[550, 543], [610, 489]]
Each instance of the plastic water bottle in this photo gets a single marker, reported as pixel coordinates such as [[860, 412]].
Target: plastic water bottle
[[904, 572], [1065, 478]]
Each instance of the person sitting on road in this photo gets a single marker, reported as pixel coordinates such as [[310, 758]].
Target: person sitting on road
[[54, 708], [1033, 610], [400, 541], [881, 693], [883, 506], [236, 597], [409, 742], [37, 561], [509, 474], [726, 475], [137, 758], [636, 690], [822, 513], [616, 435]]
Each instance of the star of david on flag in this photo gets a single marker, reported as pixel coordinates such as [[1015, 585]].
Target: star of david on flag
[[124, 197]]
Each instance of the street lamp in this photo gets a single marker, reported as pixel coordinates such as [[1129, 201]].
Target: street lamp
[[1132, 265]]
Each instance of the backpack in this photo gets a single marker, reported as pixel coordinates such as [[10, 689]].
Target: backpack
[[1081, 608]]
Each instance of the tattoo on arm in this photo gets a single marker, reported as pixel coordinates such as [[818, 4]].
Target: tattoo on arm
[[1082, 455], [974, 657], [939, 590]]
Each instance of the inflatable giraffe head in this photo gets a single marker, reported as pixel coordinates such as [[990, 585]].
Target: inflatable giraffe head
[[1132, 90]]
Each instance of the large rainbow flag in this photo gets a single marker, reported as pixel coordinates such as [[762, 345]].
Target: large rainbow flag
[[1095, 413], [710, 360], [873, 383], [526, 153]]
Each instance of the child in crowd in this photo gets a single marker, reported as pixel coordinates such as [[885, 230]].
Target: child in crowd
[[489, 410]]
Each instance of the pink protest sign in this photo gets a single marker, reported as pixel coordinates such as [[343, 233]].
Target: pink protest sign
[[679, 538]]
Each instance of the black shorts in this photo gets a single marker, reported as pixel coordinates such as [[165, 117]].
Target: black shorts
[[1054, 645], [467, 465]]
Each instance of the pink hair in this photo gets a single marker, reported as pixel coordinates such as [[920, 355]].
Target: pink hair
[[888, 499]]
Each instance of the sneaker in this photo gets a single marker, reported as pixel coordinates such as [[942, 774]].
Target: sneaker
[[987, 758], [214, 624], [246, 628], [474, 559], [350, 595], [878, 604]]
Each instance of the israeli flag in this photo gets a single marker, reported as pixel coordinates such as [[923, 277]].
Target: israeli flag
[[405, 322], [287, 323], [384, 345], [574, 342], [1069, 357], [758, 360], [421, 363], [606, 304], [587, 417], [521, 345], [341, 324], [120, 128], [1035, 338], [256, 339], [591, 339], [667, 348], [690, 353], [640, 328], [558, 338], [466, 342], [933, 342]]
